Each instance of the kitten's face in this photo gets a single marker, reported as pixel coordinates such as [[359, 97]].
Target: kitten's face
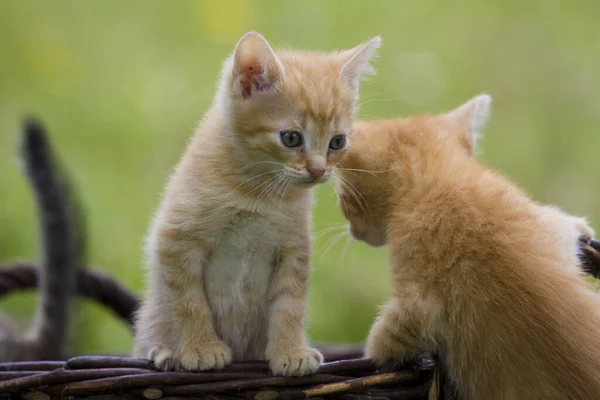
[[292, 111], [363, 192], [364, 224], [300, 135], [376, 169]]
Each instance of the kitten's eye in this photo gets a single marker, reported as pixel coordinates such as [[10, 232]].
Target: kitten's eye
[[338, 142], [291, 138]]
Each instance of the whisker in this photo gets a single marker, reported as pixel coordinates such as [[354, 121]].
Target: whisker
[[362, 103], [249, 180], [337, 194], [354, 194], [334, 239], [373, 95], [256, 163], [286, 186], [268, 182], [327, 225], [265, 194], [328, 230], [348, 241], [263, 183], [277, 190], [354, 189], [373, 173]]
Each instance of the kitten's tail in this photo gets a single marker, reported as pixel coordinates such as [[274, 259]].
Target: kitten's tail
[[62, 237]]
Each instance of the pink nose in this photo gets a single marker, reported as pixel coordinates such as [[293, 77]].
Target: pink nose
[[316, 172]]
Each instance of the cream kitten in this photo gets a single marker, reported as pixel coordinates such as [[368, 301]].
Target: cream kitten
[[228, 251], [482, 274]]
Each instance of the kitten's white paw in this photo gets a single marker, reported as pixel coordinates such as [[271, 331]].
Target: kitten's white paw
[[296, 362], [163, 358], [586, 233], [212, 355]]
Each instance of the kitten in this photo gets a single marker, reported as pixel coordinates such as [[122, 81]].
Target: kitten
[[482, 274], [228, 250], [63, 246]]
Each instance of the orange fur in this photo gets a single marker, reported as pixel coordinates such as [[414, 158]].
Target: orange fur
[[228, 251], [481, 273]]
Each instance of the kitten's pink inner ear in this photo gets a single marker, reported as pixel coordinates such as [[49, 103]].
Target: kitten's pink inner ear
[[256, 68], [253, 79]]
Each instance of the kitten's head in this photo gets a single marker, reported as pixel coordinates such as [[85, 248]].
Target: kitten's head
[[290, 112], [389, 156]]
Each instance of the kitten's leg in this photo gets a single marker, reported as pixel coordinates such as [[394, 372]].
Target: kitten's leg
[[153, 335], [194, 344], [287, 350], [397, 335]]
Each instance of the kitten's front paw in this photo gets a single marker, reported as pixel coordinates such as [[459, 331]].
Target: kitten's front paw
[[163, 357], [383, 356], [586, 233], [383, 350], [211, 355], [296, 362]]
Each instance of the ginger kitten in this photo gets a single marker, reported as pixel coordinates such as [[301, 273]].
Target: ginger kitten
[[228, 251], [482, 274]]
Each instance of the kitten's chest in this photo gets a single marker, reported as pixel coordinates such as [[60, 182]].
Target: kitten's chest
[[242, 260]]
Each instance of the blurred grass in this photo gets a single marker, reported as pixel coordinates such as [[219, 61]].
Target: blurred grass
[[121, 86]]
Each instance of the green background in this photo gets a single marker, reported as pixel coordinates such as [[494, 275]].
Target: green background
[[121, 85]]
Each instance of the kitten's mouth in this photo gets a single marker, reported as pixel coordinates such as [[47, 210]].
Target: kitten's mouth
[[312, 182], [363, 236], [306, 184], [355, 233]]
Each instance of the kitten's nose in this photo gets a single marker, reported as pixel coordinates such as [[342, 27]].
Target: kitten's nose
[[316, 172]]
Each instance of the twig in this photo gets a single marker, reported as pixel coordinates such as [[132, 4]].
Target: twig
[[63, 376], [402, 393], [92, 362], [345, 366], [277, 381], [6, 375], [156, 379], [31, 366], [329, 389], [15, 276]]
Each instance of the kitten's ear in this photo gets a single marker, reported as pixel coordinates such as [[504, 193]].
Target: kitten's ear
[[472, 117], [256, 68], [356, 62]]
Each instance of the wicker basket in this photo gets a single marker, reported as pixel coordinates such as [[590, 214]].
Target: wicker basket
[[85, 377], [345, 374]]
